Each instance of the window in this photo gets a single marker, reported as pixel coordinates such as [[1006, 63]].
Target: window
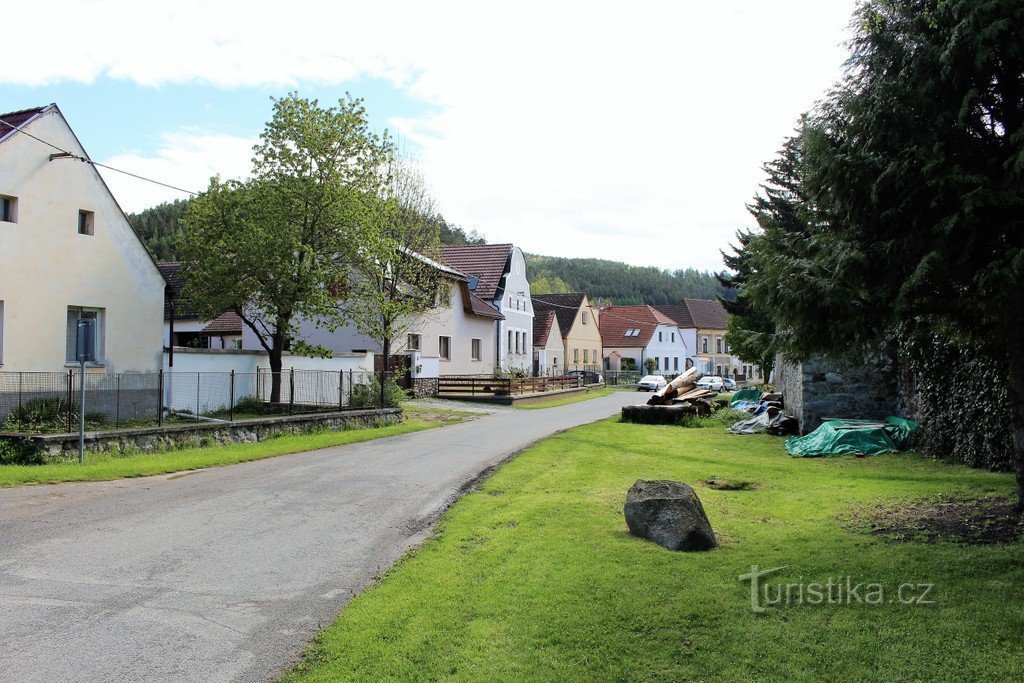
[[8, 209], [74, 314], [584, 317], [575, 355], [657, 363], [85, 223], [444, 348], [510, 339], [595, 356], [517, 342], [675, 363], [673, 336], [474, 349], [718, 344], [586, 355], [704, 344], [666, 363], [413, 344], [659, 335]]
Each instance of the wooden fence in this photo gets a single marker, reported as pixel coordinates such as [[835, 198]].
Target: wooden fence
[[456, 385]]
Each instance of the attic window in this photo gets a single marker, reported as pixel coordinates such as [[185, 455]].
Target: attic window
[[85, 222], [8, 209], [632, 332]]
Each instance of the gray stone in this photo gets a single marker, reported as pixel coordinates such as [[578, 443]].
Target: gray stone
[[668, 513]]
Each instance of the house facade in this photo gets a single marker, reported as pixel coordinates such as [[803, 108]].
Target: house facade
[[705, 321], [497, 275], [455, 337], [632, 334], [548, 347], [190, 330], [69, 253], [579, 321]]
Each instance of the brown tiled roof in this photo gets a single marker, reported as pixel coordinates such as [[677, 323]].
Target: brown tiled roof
[[565, 306], [18, 119], [698, 313], [542, 326], [483, 308], [225, 323], [487, 262], [171, 270], [616, 320]]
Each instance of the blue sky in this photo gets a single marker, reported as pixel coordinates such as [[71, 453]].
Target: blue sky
[[578, 128]]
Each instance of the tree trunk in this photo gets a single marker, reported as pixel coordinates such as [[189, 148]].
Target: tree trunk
[[274, 356], [1016, 395], [386, 353]]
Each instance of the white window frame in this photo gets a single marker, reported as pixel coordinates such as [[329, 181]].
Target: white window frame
[[413, 342], [444, 348], [475, 345]]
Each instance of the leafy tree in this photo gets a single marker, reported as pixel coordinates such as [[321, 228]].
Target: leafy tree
[[396, 281], [278, 248], [547, 284], [650, 365], [159, 228], [915, 169]]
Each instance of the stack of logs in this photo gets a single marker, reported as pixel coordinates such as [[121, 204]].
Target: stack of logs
[[679, 398]]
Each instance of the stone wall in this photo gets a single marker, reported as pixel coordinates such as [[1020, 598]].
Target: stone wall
[[156, 439], [424, 387], [818, 389]]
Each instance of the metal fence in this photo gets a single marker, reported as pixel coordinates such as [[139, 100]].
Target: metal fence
[[48, 401]]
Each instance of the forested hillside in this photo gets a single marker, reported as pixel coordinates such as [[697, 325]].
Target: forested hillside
[[603, 281], [620, 283]]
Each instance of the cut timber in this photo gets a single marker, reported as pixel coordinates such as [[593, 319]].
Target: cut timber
[[682, 384], [647, 414]]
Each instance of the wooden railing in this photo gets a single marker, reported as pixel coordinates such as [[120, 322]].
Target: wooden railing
[[503, 386]]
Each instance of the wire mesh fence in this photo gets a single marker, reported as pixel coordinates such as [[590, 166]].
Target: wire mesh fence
[[47, 402]]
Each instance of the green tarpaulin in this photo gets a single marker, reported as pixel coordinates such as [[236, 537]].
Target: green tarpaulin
[[747, 395], [847, 437]]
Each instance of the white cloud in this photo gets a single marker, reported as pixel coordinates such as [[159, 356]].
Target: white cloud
[[631, 132]]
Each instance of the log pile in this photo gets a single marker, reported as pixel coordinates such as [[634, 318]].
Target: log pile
[[679, 398], [683, 389]]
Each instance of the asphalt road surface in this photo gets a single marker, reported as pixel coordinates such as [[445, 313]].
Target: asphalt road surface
[[226, 573]]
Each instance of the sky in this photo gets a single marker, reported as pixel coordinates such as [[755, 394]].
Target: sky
[[626, 131]]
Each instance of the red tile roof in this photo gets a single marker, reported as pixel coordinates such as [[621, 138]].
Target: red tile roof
[[484, 309], [542, 321], [706, 314], [616, 321], [565, 306], [487, 262], [18, 119], [225, 323]]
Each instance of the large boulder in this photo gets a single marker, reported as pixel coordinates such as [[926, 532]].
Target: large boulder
[[668, 513]]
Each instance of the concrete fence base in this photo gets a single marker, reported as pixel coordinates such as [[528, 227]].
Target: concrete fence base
[[171, 437]]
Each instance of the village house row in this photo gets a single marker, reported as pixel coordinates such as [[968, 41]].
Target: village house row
[[70, 253]]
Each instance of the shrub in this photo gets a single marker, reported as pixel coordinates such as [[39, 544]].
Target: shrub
[[40, 415], [19, 453], [368, 396]]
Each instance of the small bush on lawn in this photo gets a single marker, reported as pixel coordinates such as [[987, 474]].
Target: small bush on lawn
[[17, 453]]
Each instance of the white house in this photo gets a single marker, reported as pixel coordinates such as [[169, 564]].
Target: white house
[[497, 275], [632, 334], [190, 330], [453, 338], [68, 253], [548, 348]]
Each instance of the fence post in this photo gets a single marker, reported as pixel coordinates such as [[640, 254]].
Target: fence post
[[71, 379], [231, 404], [291, 391], [117, 401], [160, 399], [341, 389], [20, 376], [199, 376]]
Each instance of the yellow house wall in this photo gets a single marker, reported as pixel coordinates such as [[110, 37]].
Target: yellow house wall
[[584, 337], [47, 266]]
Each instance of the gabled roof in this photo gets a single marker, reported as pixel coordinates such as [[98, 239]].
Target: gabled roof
[[226, 323], [484, 309], [17, 119], [707, 314], [542, 323], [617, 321], [565, 306], [487, 262], [171, 270]]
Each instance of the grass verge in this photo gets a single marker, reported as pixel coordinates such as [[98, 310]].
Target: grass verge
[[104, 466], [565, 400], [536, 577]]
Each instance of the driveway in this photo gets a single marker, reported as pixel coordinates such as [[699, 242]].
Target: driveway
[[226, 573]]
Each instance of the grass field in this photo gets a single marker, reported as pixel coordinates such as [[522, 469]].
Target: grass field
[[565, 400], [536, 577], [102, 466]]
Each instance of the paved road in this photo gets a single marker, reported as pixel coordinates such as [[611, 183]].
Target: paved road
[[225, 574]]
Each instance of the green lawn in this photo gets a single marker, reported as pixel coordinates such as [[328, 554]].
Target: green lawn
[[566, 400], [535, 576], [102, 466]]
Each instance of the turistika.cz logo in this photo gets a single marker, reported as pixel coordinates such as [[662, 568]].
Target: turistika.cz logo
[[836, 590]]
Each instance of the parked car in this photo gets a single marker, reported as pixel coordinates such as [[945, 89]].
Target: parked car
[[651, 383], [589, 376], [729, 384], [711, 384]]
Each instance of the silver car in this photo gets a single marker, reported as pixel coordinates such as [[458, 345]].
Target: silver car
[[651, 383]]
